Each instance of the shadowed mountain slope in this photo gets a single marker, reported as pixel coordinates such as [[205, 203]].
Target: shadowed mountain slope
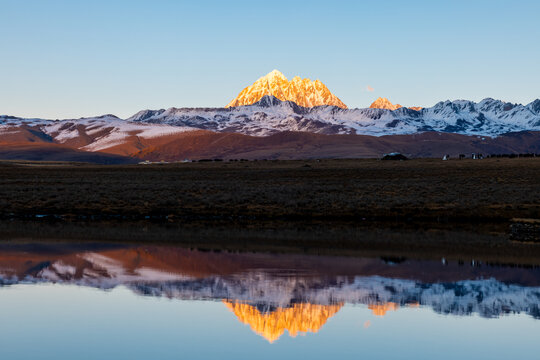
[[42, 151]]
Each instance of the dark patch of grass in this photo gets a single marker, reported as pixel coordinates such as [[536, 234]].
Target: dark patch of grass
[[433, 190]]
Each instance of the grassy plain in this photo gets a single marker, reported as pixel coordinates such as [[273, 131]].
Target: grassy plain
[[325, 190]]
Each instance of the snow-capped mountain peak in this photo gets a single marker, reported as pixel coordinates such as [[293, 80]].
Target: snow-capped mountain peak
[[303, 92], [384, 103], [535, 106], [274, 74]]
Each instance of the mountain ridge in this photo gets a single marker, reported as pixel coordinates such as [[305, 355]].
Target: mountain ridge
[[270, 115], [528, 115]]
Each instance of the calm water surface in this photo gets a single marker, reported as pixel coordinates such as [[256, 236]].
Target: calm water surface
[[103, 301]]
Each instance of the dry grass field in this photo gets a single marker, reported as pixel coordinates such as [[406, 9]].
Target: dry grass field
[[326, 190]]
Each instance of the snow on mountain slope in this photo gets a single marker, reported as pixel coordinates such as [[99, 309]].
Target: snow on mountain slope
[[90, 134], [266, 117], [535, 106], [270, 115]]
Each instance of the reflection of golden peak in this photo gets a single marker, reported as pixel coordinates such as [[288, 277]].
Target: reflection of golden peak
[[381, 309], [303, 92], [300, 318]]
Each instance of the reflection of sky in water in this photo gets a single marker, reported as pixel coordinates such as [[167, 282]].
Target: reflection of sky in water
[[130, 302], [68, 322]]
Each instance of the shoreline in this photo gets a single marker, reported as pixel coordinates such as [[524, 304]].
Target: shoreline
[[488, 243], [427, 208]]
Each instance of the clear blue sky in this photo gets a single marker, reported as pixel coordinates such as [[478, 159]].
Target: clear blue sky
[[65, 58]]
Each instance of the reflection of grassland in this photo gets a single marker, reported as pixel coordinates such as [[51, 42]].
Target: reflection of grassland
[[329, 189], [484, 243]]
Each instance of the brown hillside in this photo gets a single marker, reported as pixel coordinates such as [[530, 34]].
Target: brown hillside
[[39, 151], [303, 145]]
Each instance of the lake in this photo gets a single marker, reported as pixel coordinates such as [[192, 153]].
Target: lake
[[92, 300]]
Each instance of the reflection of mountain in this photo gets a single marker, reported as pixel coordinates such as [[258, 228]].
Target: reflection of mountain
[[302, 318], [274, 293], [382, 309], [299, 318], [488, 298]]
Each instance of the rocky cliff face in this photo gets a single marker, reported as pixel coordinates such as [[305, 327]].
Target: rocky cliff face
[[303, 92]]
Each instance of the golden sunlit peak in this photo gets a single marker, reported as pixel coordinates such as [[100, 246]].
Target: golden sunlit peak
[[304, 92], [298, 319], [275, 73], [384, 103]]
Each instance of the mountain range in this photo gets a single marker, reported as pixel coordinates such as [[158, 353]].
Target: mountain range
[[274, 116], [270, 115]]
